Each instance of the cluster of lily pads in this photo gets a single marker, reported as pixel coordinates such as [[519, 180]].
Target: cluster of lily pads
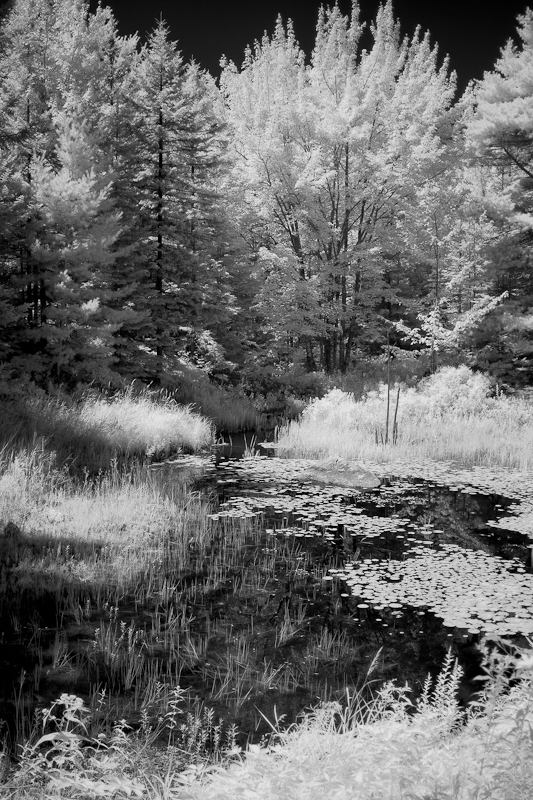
[[470, 589], [512, 483], [316, 510], [467, 588]]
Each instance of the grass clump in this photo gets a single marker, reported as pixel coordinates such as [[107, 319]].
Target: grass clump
[[94, 430], [138, 424], [450, 416]]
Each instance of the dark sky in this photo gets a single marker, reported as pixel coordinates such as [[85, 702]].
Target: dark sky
[[472, 32]]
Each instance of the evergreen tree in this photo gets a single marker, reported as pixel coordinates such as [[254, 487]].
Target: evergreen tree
[[500, 134], [27, 82], [62, 160], [180, 227], [73, 247]]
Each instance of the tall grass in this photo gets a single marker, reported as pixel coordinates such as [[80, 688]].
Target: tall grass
[[96, 429], [450, 416], [122, 581], [228, 408], [98, 533]]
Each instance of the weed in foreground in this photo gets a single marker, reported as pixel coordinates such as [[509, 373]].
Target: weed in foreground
[[386, 747]]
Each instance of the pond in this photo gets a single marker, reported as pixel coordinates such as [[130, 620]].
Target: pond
[[315, 581], [405, 567]]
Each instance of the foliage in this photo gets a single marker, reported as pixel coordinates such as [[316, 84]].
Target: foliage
[[301, 216], [351, 206], [112, 159], [64, 755]]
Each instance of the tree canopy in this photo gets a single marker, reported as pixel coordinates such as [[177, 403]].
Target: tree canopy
[[306, 212]]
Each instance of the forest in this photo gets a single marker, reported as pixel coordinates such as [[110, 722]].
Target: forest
[[305, 216], [266, 431]]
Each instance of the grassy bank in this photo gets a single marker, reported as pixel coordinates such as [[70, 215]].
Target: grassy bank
[[134, 585], [387, 748], [90, 432], [450, 416]]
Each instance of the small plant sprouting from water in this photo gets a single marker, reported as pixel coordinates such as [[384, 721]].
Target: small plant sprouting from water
[[119, 648], [291, 624]]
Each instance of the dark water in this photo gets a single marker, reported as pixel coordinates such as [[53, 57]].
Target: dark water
[[267, 631], [411, 642]]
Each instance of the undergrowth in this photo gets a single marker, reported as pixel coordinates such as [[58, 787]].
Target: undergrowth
[[384, 748], [227, 407]]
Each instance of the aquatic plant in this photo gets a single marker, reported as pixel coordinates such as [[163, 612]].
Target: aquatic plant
[[467, 589]]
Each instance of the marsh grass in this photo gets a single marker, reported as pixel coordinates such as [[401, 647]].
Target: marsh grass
[[95, 430], [122, 583], [450, 417]]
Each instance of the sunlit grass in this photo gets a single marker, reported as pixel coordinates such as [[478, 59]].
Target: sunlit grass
[[93, 431], [448, 418], [138, 424], [104, 532]]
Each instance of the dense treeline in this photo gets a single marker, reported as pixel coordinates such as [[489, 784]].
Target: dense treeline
[[301, 213]]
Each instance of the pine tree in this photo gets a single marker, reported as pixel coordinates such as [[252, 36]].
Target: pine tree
[[501, 131], [78, 227], [63, 159], [13, 308], [27, 83], [500, 134], [97, 70], [180, 228]]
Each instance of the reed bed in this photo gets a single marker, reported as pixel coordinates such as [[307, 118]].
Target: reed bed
[[449, 417], [122, 583]]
